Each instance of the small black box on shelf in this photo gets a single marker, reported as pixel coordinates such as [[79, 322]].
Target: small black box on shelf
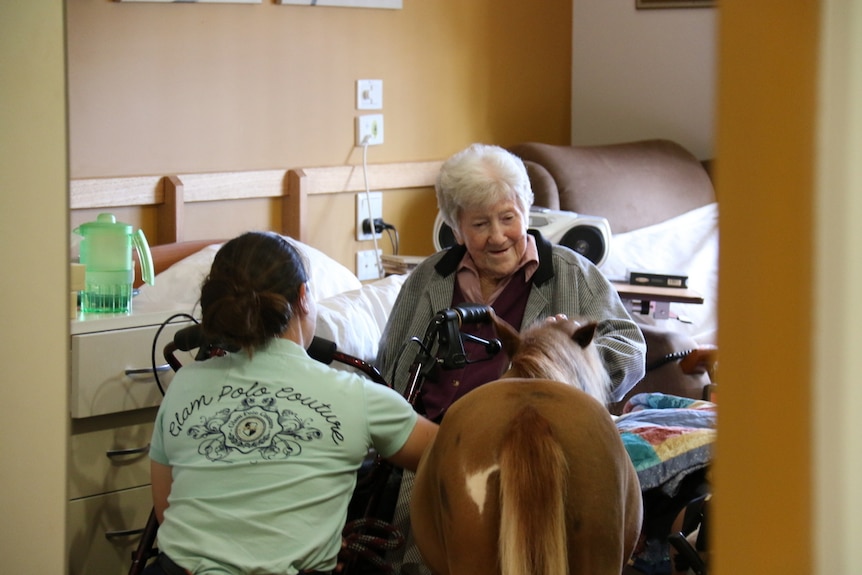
[[658, 279]]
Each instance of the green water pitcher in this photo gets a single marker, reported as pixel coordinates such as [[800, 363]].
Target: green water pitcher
[[106, 252]]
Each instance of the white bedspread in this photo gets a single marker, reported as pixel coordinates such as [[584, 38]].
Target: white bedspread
[[349, 313], [354, 320], [180, 284], [686, 244], [353, 314]]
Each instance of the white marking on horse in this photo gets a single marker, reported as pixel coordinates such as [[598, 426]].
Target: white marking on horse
[[477, 486]]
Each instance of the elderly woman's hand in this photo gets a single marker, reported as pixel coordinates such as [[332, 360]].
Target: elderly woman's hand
[[561, 317]]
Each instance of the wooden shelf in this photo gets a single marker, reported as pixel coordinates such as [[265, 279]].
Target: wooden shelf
[[653, 293]]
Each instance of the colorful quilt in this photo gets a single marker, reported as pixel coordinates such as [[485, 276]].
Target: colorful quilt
[[667, 438]]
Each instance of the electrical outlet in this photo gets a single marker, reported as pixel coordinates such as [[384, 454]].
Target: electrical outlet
[[369, 94], [369, 129], [366, 264], [362, 212]]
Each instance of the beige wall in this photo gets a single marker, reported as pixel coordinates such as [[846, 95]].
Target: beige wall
[[836, 393], [34, 317], [644, 74], [159, 89], [156, 89]]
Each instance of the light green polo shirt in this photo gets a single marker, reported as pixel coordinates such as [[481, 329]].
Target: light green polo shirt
[[264, 454]]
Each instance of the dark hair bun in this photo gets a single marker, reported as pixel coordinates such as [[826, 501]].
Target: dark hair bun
[[246, 299]]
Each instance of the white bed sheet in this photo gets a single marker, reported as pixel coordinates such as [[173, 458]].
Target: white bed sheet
[[349, 313], [686, 244], [353, 314], [180, 284], [355, 319]]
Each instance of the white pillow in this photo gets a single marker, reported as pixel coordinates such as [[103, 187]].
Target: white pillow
[[355, 319], [686, 244], [180, 285], [327, 276]]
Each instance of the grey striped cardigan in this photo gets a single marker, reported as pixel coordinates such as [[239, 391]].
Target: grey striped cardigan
[[565, 282]]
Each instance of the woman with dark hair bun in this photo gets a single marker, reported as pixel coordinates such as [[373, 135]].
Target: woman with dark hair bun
[[246, 299], [254, 454]]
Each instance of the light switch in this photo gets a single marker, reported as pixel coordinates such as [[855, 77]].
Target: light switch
[[369, 94]]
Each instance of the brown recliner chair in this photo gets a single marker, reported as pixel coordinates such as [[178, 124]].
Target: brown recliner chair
[[633, 185], [676, 364]]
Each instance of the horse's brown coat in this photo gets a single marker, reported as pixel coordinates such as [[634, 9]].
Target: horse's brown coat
[[457, 526]]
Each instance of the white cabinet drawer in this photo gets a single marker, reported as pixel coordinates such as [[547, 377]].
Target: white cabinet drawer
[[112, 371], [98, 531], [110, 453]]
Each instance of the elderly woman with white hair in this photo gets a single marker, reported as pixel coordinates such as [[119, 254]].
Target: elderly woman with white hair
[[484, 196]]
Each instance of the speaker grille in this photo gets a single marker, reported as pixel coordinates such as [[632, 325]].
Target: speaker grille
[[586, 240]]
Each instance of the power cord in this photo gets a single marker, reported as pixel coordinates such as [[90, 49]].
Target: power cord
[[153, 348], [368, 203], [379, 227], [395, 241]]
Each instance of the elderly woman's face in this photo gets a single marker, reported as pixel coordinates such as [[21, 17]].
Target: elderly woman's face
[[495, 236]]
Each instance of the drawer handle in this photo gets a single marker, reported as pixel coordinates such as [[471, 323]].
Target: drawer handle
[[123, 533], [148, 370], [130, 451]]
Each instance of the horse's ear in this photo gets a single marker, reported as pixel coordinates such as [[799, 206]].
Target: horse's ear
[[584, 334], [509, 336]]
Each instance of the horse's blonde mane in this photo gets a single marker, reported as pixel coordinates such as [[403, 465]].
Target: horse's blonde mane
[[563, 351]]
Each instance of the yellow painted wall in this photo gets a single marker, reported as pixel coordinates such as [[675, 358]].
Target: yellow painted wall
[[765, 170], [178, 88], [158, 89]]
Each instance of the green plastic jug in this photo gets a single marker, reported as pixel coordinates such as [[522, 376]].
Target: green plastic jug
[[106, 252]]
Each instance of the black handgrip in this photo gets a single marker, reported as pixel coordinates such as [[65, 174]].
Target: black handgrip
[[189, 338], [450, 350], [326, 352], [473, 313], [322, 350], [192, 337]]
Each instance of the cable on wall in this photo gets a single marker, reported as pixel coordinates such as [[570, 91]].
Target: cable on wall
[[368, 203]]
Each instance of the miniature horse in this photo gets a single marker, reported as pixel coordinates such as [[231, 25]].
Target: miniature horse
[[528, 475]]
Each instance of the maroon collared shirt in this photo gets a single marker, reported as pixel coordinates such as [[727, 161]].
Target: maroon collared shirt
[[443, 387]]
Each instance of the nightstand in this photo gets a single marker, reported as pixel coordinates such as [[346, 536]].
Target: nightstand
[[113, 402], [654, 300]]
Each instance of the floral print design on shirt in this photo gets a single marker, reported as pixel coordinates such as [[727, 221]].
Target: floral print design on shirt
[[253, 427]]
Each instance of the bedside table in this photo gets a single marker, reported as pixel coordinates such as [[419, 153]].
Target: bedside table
[[113, 402], [646, 299]]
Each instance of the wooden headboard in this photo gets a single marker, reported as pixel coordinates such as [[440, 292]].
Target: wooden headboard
[[291, 192], [171, 194]]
